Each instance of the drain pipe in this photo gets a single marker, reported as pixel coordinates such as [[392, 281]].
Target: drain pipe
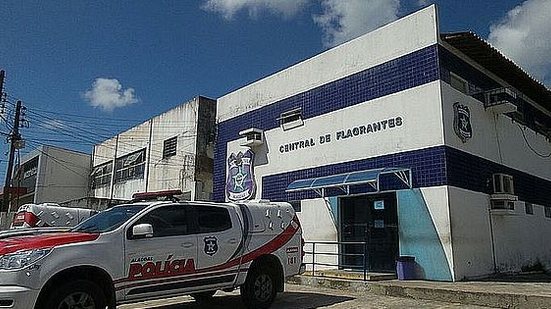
[[492, 239]]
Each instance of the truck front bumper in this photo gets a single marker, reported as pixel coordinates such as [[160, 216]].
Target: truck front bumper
[[17, 297]]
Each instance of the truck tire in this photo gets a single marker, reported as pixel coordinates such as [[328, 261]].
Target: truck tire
[[259, 289], [203, 296], [77, 294]]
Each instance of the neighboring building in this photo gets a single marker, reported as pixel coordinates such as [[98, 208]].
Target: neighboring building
[[170, 151], [50, 174], [424, 144]]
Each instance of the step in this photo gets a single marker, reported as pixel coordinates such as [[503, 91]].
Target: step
[[496, 295]]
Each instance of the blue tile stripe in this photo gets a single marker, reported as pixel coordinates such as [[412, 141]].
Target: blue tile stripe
[[435, 166], [414, 69], [474, 173], [428, 169]]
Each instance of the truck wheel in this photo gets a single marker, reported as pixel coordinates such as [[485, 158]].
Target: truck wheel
[[82, 294], [259, 289], [203, 296]]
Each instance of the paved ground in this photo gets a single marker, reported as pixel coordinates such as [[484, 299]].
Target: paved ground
[[302, 297]]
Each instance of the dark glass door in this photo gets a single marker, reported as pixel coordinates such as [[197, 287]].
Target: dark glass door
[[373, 219]]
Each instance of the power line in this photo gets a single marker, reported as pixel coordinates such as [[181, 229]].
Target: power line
[[530, 146]]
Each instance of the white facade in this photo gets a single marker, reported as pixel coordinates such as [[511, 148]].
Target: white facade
[[385, 100], [170, 151], [51, 174]]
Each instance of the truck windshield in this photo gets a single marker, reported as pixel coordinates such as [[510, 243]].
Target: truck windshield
[[108, 220]]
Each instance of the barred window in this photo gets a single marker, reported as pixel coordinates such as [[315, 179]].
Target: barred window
[[169, 147], [131, 166], [101, 175]]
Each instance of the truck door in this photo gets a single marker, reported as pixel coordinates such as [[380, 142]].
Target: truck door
[[161, 264], [219, 240]]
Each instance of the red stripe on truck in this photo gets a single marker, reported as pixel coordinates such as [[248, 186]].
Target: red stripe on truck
[[13, 244], [272, 246]]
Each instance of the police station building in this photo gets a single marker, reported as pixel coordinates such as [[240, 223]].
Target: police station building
[[421, 143]]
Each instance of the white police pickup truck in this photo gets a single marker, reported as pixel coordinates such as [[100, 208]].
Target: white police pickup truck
[[149, 250]]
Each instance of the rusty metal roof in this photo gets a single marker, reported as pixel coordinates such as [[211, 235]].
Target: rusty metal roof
[[494, 61]]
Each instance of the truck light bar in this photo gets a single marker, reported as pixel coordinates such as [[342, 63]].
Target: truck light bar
[[168, 194]]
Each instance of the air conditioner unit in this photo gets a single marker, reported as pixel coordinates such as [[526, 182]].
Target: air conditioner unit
[[500, 100], [503, 184], [253, 137]]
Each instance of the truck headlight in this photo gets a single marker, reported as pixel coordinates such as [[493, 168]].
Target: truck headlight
[[21, 259]]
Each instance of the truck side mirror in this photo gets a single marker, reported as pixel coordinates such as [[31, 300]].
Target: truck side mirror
[[142, 230]]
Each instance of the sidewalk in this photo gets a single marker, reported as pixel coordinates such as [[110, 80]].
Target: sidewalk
[[499, 293]]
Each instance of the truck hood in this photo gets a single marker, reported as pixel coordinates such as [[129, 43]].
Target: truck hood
[[13, 244]]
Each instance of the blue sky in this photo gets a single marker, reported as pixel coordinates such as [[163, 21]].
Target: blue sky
[[86, 70]]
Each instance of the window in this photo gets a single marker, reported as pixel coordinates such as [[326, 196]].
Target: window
[[459, 83], [169, 147], [291, 119], [167, 221], [30, 168], [529, 208], [212, 219], [547, 211], [109, 219], [131, 166], [101, 175], [296, 205]]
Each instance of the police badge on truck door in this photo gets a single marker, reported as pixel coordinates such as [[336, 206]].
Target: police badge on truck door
[[211, 245]]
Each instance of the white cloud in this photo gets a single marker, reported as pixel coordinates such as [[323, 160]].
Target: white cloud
[[345, 20], [228, 8], [108, 94], [524, 35]]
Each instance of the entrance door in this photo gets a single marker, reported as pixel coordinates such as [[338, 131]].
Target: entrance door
[[372, 219]]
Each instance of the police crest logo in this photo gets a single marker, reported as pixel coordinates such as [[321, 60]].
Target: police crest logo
[[240, 184], [462, 122], [211, 245]]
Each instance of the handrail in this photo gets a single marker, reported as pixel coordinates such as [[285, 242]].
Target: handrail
[[315, 253]]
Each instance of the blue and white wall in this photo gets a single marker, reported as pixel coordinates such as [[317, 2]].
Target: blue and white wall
[[498, 145], [371, 79], [399, 71]]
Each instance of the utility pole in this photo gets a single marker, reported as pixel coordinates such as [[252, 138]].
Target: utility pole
[[2, 76], [14, 139]]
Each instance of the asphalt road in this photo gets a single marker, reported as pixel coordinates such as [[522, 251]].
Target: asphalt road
[[300, 297]]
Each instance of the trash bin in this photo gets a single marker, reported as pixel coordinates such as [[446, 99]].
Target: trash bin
[[405, 267]]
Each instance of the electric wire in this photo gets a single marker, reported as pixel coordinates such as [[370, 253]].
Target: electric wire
[[530, 146]]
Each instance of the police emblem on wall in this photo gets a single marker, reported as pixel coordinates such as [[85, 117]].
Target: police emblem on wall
[[240, 184], [211, 245], [462, 122]]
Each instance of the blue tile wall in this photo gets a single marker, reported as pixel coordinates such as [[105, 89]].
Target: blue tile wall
[[479, 81], [399, 74], [428, 168], [474, 173], [433, 166], [450, 62]]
